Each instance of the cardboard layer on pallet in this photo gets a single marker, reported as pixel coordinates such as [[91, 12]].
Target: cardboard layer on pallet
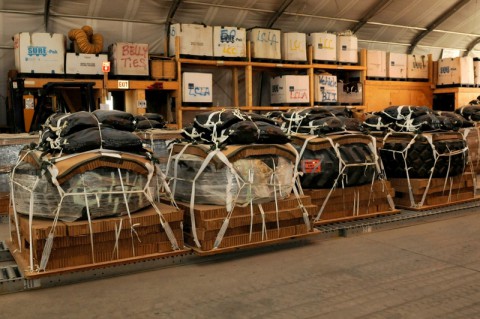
[[278, 220], [255, 237], [436, 185], [353, 202], [216, 211], [4, 203], [441, 191], [114, 238]]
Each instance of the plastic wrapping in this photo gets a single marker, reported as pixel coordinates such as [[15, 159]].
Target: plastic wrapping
[[262, 179], [4, 182], [9, 156], [102, 188]]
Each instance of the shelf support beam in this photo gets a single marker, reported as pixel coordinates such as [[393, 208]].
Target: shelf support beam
[[447, 14]]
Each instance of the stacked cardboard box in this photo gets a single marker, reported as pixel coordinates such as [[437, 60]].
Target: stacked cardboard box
[[440, 191], [352, 202], [72, 241], [245, 228]]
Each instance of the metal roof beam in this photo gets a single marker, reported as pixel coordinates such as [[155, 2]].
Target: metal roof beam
[[278, 13], [171, 12], [46, 14], [373, 11], [470, 46], [447, 14]]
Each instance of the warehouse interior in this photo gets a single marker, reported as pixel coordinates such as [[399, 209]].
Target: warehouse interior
[[274, 159]]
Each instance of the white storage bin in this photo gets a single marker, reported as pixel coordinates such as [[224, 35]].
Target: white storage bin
[[39, 52], [455, 71], [195, 39], [81, 63], [396, 65], [129, 58], [289, 89], [197, 87], [229, 42], [294, 46], [325, 88], [265, 43], [347, 48], [376, 63], [324, 46]]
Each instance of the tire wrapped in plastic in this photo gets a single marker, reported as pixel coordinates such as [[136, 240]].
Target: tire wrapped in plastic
[[419, 155]]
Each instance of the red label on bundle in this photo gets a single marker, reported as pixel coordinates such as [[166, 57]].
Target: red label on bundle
[[311, 166]]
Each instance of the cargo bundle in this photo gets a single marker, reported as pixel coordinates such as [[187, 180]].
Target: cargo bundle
[[421, 147], [244, 164], [88, 169], [336, 157]]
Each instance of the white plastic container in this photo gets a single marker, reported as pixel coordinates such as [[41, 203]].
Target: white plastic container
[[294, 46], [229, 42], [81, 63], [195, 39], [396, 65], [265, 43], [129, 58], [197, 87], [376, 63], [289, 89], [347, 48], [325, 88], [324, 46], [39, 52]]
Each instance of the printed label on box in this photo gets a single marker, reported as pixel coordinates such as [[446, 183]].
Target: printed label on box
[[311, 166]]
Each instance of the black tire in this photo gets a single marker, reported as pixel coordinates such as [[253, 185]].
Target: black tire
[[420, 159], [351, 154]]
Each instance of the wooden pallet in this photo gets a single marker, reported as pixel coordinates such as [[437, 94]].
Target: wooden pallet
[[200, 252], [358, 217], [23, 264], [430, 207]]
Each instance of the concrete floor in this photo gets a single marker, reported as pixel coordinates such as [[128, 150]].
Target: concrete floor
[[429, 270]]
